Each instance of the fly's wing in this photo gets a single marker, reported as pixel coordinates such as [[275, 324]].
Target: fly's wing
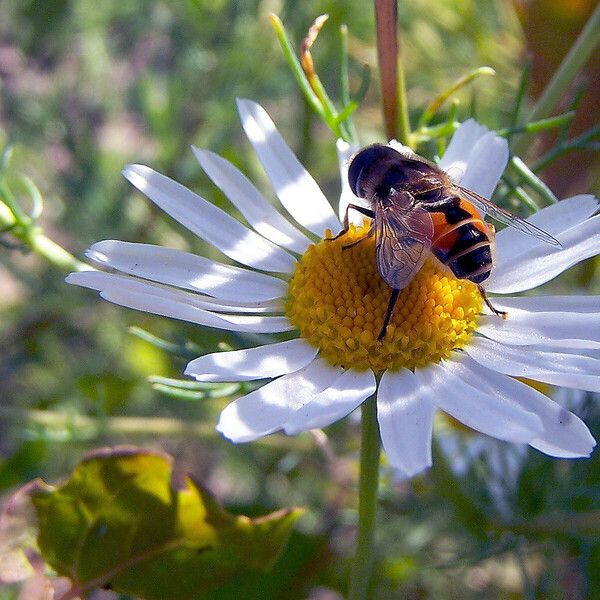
[[403, 239], [507, 218]]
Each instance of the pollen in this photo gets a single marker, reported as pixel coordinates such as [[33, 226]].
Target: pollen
[[337, 300]]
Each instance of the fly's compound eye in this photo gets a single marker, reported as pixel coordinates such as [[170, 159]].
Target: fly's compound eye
[[363, 162]]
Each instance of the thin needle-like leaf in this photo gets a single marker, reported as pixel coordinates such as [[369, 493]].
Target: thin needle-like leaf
[[433, 108]]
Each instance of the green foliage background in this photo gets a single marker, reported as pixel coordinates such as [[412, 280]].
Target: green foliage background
[[88, 86]]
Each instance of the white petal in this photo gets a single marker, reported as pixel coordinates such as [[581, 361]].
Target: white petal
[[186, 270], [491, 414], [263, 217], [573, 304], [405, 414], [554, 219], [173, 303], [297, 190], [209, 222], [542, 262], [99, 280], [565, 435], [175, 310], [399, 147], [265, 410], [557, 329], [261, 362], [487, 161], [456, 157], [347, 392], [571, 370], [345, 152]]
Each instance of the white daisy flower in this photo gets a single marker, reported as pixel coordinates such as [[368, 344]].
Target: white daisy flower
[[442, 351]]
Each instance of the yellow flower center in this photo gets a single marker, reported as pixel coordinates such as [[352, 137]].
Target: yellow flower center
[[337, 300]]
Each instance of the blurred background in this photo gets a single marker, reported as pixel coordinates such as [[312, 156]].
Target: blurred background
[[87, 87]]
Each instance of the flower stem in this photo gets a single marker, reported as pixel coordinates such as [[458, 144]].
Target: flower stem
[[22, 227], [517, 166], [56, 255], [436, 104], [345, 87], [33, 238], [386, 22], [404, 132], [294, 63], [367, 501]]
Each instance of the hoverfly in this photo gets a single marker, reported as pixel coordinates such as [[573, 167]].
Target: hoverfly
[[417, 209]]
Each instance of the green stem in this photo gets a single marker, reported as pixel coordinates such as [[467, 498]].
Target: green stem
[[538, 126], [510, 188], [424, 134], [568, 69], [521, 92], [313, 90], [345, 86], [330, 115], [42, 245], [518, 167], [294, 63], [344, 74], [433, 108], [524, 198], [7, 199], [7, 217], [367, 501], [181, 393], [184, 350], [578, 142], [56, 255]]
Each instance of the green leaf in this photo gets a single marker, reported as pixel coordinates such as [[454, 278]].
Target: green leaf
[[119, 522]]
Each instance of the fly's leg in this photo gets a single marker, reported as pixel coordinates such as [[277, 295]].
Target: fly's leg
[[388, 314], [499, 313], [361, 209], [362, 239]]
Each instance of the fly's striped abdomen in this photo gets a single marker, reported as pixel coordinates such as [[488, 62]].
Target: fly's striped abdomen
[[462, 240]]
